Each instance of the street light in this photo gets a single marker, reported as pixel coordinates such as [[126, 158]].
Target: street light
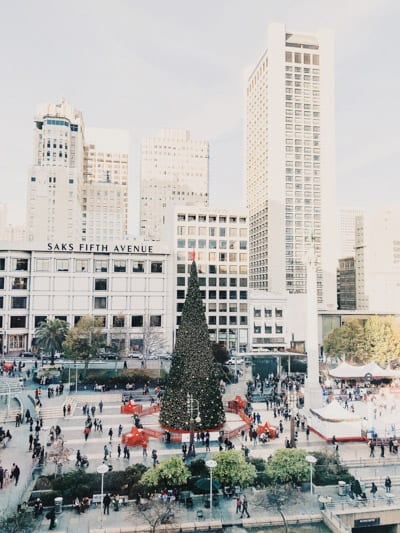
[[190, 411], [292, 404], [211, 464], [312, 460], [102, 469]]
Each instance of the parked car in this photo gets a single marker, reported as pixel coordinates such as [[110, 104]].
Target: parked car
[[27, 354], [165, 355], [135, 355]]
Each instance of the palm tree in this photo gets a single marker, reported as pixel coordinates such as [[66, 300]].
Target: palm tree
[[50, 336]]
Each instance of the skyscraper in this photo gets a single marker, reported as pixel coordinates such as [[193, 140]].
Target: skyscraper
[[54, 207], [347, 231], [78, 186], [290, 164], [105, 185], [174, 170]]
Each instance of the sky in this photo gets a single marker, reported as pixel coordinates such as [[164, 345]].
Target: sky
[[145, 65]]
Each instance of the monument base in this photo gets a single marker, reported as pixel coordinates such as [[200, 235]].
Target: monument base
[[312, 396]]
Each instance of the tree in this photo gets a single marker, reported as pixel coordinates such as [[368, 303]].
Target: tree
[[348, 340], [168, 474], [51, 335], [85, 339], [381, 339], [221, 354], [193, 369], [153, 342], [288, 465], [154, 513], [18, 522], [276, 497], [233, 469]]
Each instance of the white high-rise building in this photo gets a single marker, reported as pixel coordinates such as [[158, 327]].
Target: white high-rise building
[[347, 231], [377, 261], [174, 170], [55, 183], [105, 185], [290, 163]]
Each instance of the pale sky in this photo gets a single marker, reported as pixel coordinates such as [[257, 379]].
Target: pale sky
[[145, 65]]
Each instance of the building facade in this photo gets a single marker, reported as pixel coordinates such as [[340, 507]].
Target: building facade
[[217, 239], [55, 183], [377, 261], [174, 169], [268, 321], [105, 186], [347, 231], [290, 163], [125, 285], [346, 284]]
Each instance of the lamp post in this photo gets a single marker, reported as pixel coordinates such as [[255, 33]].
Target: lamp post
[[192, 405], [311, 460], [292, 404], [102, 469], [211, 464]]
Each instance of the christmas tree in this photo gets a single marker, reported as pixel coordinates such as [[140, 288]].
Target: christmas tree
[[193, 370]]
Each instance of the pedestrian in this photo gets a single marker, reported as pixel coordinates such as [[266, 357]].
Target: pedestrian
[[86, 432], [119, 430], [119, 451], [1, 477], [126, 452], [106, 504], [333, 440], [388, 484], [382, 450], [374, 489], [144, 449], [110, 434], [106, 452], [15, 472], [238, 505], [51, 515], [308, 433], [93, 410], [372, 448], [64, 410], [154, 456], [245, 507], [30, 441], [101, 406], [207, 442]]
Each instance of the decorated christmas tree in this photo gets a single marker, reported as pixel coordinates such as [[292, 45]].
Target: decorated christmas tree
[[193, 370]]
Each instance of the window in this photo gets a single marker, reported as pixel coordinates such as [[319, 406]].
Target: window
[[18, 302], [179, 307], [181, 281], [118, 321], [180, 268], [268, 330], [243, 295], [232, 295], [21, 264], [212, 245], [232, 282], [61, 317], [278, 329], [18, 321], [101, 266], [232, 307], [257, 313], [232, 320], [100, 321], [212, 282], [202, 282], [42, 265], [156, 266], [155, 321], [39, 320], [243, 320], [192, 243], [100, 284], [222, 321], [223, 308], [180, 295], [1, 283], [243, 245], [278, 313], [223, 256], [100, 302], [137, 321], [257, 329], [212, 295], [222, 295], [18, 283], [212, 320], [77, 319], [82, 265], [268, 313], [62, 265], [181, 243], [212, 307], [202, 243], [119, 266], [1, 302], [243, 282], [212, 269], [138, 266], [223, 282]]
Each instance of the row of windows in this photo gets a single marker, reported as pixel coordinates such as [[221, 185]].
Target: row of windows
[[222, 295], [212, 231], [212, 244], [268, 313], [16, 264], [136, 321], [268, 329], [100, 265], [211, 218], [17, 302], [17, 283]]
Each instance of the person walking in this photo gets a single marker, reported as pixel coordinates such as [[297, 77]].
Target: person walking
[[101, 406], [15, 472], [126, 452], [245, 508], [388, 484], [119, 451], [119, 430], [106, 452], [64, 410], [372, 449], [144, 449], [238, 505], [110, 434], [106, 504], [374, 489], [382, 450]]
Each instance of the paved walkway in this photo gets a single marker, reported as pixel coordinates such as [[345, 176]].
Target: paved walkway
[[72, 427]]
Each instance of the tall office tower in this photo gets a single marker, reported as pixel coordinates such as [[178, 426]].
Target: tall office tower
[[290, 163], [347, 231], [377, 261], [105, 185], [54, 203], [174, 169]]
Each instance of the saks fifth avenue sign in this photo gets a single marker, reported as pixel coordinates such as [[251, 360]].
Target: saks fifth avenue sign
[[102, 248]]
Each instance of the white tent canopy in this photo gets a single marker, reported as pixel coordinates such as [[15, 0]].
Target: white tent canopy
[[334, 412], [347, 371]]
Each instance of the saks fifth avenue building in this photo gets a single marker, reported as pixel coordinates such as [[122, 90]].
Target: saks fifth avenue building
[[126, 285]]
